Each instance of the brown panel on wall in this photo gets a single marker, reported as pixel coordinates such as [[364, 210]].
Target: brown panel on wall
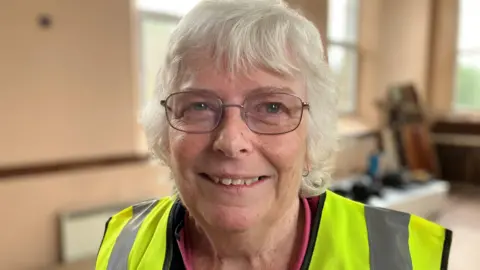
[[451, 127], [453, 162], [458, 144], [67, 91], [460, 164], [12, 173]]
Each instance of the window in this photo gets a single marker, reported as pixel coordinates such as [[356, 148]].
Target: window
[[155, 30], [467, 83], [343, 50], [157, 19]]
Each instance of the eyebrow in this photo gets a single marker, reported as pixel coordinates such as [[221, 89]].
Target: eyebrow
[[271, 89], [258, 90], [201, 90]]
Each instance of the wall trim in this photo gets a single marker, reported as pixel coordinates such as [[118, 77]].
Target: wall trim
[[9, 173]]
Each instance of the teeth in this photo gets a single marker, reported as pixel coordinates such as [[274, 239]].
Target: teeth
[[235, 182], [226, 181], [238, 182]]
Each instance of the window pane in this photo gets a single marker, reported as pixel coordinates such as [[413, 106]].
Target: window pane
[[469, 20], [343, 20], [177, 7], [343, 62], [155, 32], [467, 94]]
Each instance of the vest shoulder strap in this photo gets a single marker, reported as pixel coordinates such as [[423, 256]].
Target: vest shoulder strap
[[122, 229]]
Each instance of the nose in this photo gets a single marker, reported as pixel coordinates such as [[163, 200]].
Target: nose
[[233, 137]]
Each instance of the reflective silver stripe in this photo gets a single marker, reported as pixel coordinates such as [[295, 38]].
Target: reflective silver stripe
[[119, 257], [388, 239]]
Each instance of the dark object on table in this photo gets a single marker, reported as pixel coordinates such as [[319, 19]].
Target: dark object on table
[[394, 180], [362, 192], [341, 192]]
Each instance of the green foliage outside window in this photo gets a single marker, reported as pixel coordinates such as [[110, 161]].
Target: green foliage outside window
[[468, 87]]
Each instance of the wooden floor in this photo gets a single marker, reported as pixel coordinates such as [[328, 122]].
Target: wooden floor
[[462, 216]]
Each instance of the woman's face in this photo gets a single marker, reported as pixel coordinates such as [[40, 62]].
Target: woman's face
[[233, 151]]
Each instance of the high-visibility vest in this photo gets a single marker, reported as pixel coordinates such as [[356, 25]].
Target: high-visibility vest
[[344, 235]]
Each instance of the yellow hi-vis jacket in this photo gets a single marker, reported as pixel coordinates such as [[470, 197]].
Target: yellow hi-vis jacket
[[344, 235]]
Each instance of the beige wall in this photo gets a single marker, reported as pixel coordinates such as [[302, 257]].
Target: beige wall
[[395, 47], [369, 59], [67, 93], [404, 42], [443, 56]]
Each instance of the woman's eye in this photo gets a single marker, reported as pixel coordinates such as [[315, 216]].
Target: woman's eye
[[273, 107], [194, 109], [199, 106]]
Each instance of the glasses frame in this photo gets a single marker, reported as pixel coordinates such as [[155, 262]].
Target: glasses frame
[[305, 105]]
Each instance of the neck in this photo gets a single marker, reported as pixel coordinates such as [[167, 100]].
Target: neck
[[268, 242]]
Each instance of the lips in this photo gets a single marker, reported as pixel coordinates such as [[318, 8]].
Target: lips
[[233, 181]]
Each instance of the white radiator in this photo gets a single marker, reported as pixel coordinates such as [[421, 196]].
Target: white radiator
[[81, 232]]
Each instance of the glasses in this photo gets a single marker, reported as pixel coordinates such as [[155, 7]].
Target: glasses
[[199, 111]]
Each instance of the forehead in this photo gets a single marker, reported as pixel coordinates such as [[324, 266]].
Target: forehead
[[232, 84]]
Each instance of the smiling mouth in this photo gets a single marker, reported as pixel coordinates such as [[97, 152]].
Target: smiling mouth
[[232, 181]]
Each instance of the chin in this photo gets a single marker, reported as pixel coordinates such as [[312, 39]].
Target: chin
[[234, 219]]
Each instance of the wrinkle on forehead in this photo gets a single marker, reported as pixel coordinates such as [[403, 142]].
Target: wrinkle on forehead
[[199, 75], [233, 69]]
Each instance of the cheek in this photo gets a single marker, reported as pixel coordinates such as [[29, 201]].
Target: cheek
[[185, 148], [178, 144], [295, 145], [287, 153], [291, 153], [183, 151]]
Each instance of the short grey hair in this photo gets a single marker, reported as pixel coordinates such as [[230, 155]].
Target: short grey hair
[[243, 35]]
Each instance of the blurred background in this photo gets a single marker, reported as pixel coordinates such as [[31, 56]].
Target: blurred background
[[75, 74]]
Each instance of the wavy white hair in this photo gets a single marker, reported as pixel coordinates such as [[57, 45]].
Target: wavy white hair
[[244, 35]]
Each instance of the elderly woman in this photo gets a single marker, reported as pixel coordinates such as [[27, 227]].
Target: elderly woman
[[245, 119]]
